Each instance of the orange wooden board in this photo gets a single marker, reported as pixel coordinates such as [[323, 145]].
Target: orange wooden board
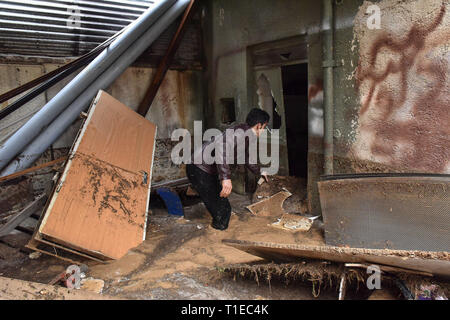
[[100, 205]]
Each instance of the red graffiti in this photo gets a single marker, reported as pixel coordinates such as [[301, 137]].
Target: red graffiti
[[424, 127], [315, 89]]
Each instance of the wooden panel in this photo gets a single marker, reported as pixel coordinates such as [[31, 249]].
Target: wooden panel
[[118, 136], [412, 260], [100, 205]]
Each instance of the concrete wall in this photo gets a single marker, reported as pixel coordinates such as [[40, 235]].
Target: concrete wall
[[178, 103], [237, 25], [391, 95], [403, 84]]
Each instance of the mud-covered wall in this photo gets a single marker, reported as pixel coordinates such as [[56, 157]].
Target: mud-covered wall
[[391, 94], [233, 27], [402, 80]]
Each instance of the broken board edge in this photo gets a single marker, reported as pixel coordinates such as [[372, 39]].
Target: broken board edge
[[54, 194], [437, 267]]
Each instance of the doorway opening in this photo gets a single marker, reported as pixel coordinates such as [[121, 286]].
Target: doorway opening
[[295, 95]]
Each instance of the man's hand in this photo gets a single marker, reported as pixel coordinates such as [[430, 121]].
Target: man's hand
[[226, 188]]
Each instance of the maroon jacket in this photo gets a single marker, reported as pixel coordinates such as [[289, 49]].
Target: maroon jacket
[[223, 170]]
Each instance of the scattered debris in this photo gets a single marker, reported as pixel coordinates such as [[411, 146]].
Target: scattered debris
[[437, 264], [34, 255], [292, 222], [320, 275], [14, 289], [93, 285], [71, 277], [271, 206], [430, 292], [297, 203]]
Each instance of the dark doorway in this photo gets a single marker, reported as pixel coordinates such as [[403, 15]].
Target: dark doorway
[[295, 92]]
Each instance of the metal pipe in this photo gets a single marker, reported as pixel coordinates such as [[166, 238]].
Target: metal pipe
[[74, 65], [66, 118], [328, 65], [75, 88]]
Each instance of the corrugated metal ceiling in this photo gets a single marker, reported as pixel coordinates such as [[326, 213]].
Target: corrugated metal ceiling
[[62, 28]]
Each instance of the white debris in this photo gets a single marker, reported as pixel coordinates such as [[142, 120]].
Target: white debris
[[34, 255]]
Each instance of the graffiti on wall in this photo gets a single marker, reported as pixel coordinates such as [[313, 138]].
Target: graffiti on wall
[[404, 87], [315, 116]]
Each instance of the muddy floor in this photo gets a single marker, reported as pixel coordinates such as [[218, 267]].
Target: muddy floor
[[184, 258]]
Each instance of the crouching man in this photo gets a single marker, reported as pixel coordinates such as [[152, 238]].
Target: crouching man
[[212, 179]]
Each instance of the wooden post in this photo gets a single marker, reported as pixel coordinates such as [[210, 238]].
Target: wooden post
[[41, 166], [165, 63]]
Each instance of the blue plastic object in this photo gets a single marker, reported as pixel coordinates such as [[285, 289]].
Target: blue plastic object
[[172, 201]]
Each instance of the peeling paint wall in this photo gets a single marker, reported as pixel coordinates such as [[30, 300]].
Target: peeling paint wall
[[14, 75], [178, 103]]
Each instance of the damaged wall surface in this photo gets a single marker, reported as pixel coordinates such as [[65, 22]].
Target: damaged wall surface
[[179, 101], [404, 87], [391, 92]]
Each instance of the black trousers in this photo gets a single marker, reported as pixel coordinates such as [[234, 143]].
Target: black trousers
[[208, 187]]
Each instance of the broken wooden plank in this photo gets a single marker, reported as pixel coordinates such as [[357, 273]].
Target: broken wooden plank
[[14, 221], [59, 252], [165, 63], [271, 206], [436, 263], [39, 239], [26, 171], [100, 204]]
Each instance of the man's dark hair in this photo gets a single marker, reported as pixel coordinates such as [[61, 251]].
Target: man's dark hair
[[256, 116]]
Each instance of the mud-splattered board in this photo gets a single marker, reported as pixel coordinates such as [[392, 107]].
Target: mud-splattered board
[[99, 207], [436, 263]]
